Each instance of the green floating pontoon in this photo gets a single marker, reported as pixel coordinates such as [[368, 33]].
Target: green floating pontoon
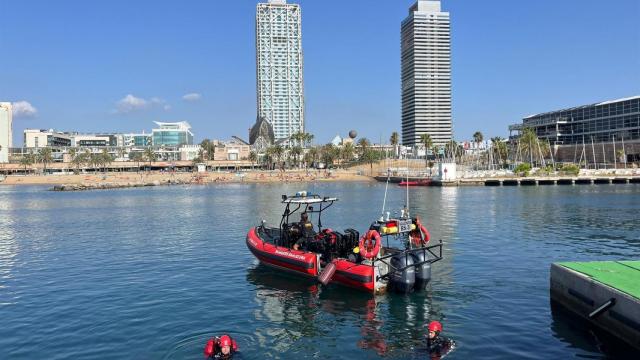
[[607, 293], [621, 275]]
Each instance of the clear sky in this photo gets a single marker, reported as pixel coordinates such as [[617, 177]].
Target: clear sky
[[116, 66]]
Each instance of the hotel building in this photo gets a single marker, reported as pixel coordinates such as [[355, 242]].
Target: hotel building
[[426, 74], [279, 64]]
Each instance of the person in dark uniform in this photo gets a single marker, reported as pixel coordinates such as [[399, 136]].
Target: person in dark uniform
[[437, 345], [304, 230]]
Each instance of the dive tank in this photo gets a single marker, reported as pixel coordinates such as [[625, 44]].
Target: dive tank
[[423, 271], [402, 281]]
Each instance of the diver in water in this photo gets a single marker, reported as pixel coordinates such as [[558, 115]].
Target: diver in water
[[222, 347], [438, 345]]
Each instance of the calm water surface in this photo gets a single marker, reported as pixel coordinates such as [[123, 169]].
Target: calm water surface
[[151, 273]]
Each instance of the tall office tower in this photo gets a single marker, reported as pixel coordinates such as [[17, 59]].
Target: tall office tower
[[6, 131], [426, 74], [279, 67]]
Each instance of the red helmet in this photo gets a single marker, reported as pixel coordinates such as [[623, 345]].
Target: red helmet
[[225, 340], [435, 326]]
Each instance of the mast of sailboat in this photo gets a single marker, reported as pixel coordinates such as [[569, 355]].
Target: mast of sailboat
[[615, 161], [593, 151], [624, 152]]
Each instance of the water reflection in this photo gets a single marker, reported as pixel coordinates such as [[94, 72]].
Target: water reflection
[[584, 337], [8, 249], [303, 305]]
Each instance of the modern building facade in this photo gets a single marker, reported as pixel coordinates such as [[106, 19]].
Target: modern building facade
[[426, 74], [6, 130], [279, 65], [35, 138], [172, 134], [597, 133], [95, 140], [138, 140]]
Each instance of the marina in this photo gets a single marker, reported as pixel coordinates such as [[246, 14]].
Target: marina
[[153, 272], [521, 181]]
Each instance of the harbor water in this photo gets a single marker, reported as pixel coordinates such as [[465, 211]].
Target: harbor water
[[152, 273]]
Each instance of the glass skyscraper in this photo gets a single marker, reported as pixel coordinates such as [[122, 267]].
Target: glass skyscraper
[[279, 67], [426, 74]]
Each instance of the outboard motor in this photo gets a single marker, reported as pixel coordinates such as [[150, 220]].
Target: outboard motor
[[402, 281], [348, 241], [423, 271]]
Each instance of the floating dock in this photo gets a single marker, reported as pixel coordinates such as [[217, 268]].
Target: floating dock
[[606, 293], [520, 181]]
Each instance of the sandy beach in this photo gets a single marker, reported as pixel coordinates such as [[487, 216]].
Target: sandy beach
[[124, 179]]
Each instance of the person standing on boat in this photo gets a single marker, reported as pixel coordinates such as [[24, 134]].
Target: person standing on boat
[[304, 230], [437, 345]]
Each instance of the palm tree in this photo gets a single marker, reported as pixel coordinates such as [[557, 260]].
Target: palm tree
[[297, 138], [72, 154], [347, 152], [311, 157], [295, 152], [105, 159], [86, 158], [528, 141], [76, 159], [137, 157], [329, 154], [362, 145], [496, 144], [45, 156], [253, 157], [477, 138], [394, 140], [96, 161], [278, 152], [209, 149], [150, 155], [451, 150], [122, 151], [307, 139], [427, 143], [27, 160]]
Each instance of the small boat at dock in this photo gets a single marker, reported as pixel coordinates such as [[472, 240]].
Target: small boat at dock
[[423, 182]]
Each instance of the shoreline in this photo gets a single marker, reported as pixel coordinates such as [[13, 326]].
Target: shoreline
[[122, 180]]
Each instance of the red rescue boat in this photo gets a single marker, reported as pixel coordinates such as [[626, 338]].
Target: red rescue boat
[[345, 258]]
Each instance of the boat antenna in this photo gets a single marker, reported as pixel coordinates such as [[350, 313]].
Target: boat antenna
[[386, 188], [407, 203]]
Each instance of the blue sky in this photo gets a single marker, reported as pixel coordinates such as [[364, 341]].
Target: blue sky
[[74, 60]]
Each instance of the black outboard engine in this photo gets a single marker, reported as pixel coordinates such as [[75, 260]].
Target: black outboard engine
[[349, 240], [402, 281], [423, 271]]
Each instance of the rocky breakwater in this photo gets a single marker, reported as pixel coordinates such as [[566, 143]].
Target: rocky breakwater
[[106, 185]]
